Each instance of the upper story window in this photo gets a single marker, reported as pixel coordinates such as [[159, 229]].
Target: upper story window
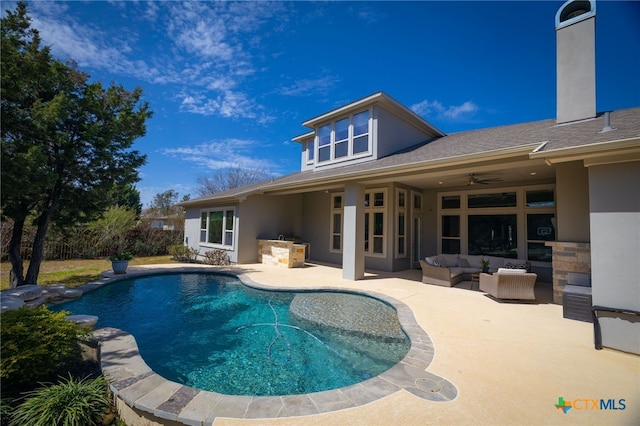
[[310, 151], [344, 138], [361, 132], [324, 143]]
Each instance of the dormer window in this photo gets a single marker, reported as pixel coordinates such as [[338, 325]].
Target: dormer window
[[324, 143], [310, 152], [361, 132], [344, 138], [368, 129]]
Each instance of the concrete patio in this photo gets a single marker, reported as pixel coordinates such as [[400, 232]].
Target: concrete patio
[[510, 361]]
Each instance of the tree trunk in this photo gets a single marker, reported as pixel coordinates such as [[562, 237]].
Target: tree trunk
[[37, 253], [15, 277]]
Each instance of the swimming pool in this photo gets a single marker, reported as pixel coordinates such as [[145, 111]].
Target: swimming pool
[[212, 332]]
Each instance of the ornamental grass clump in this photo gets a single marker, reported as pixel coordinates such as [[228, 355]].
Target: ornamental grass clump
[[72, 402]]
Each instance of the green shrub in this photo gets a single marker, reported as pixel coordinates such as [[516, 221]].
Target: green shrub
[[217, 257], [183, 253], [35, 345], [71, 402]]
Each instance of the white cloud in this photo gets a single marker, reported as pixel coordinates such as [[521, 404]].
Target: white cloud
[[229, 104], [435, 109], [205, 39], [204, 45], [69, 40], [221, 154], [307, 87]]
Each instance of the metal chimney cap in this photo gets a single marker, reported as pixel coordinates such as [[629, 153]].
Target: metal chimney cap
[[574, 11]]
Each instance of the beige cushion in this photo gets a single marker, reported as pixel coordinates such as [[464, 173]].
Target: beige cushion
[[511, 271]]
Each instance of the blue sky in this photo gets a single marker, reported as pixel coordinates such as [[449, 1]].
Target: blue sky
[[231, 83]]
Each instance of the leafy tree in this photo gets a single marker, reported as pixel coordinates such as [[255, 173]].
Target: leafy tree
[[65, 141], [111, 229], [164, 206], [164, 202], [229, 178], [127, 196]]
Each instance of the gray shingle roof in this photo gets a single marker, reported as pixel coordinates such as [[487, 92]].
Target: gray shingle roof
[[626, 123]]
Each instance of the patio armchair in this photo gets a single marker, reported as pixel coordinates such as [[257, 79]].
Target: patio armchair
[[509, 284]]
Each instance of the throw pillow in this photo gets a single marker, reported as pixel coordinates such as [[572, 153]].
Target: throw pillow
[[463, 263], [516, 266], [436, 262]]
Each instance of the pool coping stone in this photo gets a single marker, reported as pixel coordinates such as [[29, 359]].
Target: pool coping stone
[[135, 383]]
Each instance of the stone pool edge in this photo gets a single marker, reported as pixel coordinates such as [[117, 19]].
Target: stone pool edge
[[134, 383]]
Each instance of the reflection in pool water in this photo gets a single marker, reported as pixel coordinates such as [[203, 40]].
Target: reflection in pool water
[[211, 332]]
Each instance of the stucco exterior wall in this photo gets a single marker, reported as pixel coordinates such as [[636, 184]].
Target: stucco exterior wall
[[576, 71], [615, 247], [395, 134], [572, 195], [264, 217], [316, 215], [192, 233], [429, 223], [258, 217]]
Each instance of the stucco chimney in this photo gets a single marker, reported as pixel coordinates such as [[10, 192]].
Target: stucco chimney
[[575, 61]]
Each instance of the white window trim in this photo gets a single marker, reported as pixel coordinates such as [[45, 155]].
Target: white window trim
[[520, 210], [310, 150], [224, 230], [332, 144], [333, 210], [401, 210], [371, 209]]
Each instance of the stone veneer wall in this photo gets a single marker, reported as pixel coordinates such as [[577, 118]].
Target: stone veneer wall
[[281, 253], [568, 257]]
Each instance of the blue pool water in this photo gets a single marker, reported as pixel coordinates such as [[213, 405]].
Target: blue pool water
[[212, 332]]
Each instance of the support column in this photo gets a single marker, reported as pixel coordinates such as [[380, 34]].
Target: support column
[[353, 232]]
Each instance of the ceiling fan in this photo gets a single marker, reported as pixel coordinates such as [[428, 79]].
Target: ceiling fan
[[474, 180]]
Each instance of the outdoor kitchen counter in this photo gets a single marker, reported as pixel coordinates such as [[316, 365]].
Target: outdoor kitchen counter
[[281, 253]]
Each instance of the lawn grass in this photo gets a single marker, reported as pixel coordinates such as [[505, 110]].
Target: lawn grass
[[74, 273]]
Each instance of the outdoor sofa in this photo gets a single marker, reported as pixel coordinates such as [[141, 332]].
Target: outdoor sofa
[[509, 284], [451, 269]]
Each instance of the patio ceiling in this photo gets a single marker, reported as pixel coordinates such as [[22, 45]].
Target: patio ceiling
[[451, 177], [516, 173]]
